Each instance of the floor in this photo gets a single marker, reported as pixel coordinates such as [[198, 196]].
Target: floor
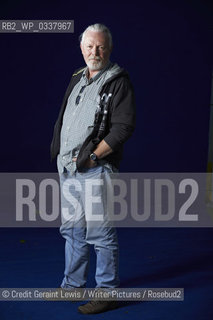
[[149, 257]]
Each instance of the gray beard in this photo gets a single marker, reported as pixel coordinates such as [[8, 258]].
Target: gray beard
[[95, 66]]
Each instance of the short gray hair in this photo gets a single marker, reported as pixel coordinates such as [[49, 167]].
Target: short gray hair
[[97, 27]]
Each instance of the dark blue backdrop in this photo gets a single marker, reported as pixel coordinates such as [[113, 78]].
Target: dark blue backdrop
[[166, 46]]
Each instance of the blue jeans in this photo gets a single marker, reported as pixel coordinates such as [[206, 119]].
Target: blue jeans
[[80, 232]]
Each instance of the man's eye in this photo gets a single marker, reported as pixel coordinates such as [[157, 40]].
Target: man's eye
[[89, 47]]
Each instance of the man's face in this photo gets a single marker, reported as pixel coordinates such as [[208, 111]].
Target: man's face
[[95, 49]]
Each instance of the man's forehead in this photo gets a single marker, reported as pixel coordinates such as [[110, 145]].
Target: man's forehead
[[91, 36]]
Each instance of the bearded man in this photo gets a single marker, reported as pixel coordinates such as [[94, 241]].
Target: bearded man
[[96, 118]]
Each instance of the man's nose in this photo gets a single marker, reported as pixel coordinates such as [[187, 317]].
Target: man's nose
[[95, 51]]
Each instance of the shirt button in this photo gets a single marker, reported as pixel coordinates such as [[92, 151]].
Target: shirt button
[[68, 127], [65, 143], [63, 157], [81, 99]]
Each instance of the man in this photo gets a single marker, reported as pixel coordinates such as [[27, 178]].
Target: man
[[96, 117]]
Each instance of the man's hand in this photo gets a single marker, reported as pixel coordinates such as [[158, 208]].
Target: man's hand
[[88, 164], [102, 150]]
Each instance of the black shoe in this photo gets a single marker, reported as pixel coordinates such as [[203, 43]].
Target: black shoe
[[97, 306]]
